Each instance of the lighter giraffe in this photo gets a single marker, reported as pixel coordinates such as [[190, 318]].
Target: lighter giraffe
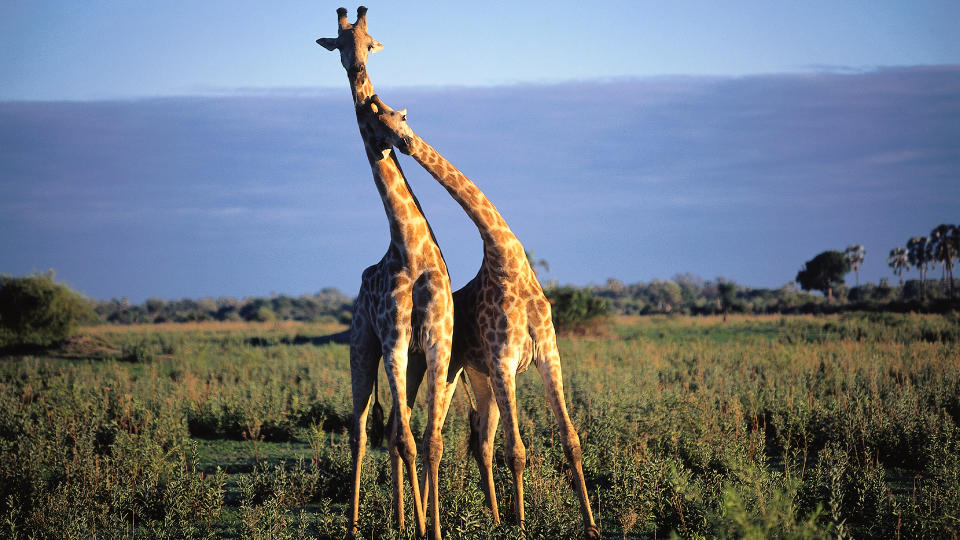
[[502, 323], [404, 304]]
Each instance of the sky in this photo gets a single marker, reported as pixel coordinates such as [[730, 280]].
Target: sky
[[209, 149]]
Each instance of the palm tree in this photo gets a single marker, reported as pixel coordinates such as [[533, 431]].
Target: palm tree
[[855, 255], [921, 255], [899, 260], [944, 239]]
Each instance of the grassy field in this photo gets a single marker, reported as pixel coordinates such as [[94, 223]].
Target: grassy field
[[761, 427]]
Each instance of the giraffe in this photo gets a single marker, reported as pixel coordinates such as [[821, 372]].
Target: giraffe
[[404, 305], [502, 323]]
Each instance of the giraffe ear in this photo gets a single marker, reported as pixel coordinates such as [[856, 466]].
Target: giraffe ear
[[376, 46], [329, 44]]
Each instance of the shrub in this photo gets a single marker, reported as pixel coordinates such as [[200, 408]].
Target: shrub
[[577, 311], [36, 311]]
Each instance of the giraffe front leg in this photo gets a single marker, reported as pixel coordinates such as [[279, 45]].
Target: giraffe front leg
[[439, 393], [415, 372], [550, 372], [395, 363], [483, 430]]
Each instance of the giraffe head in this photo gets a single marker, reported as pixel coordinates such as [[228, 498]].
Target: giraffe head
[[353, 41], [392, 125]]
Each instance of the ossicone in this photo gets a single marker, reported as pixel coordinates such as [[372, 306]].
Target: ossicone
[[361, 17]]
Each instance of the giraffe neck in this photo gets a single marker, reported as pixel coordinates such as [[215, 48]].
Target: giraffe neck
[[408, 226], [360, 86], [500, 245]]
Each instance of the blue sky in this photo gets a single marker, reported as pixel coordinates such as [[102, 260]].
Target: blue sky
[[104, 49], [182, 150]]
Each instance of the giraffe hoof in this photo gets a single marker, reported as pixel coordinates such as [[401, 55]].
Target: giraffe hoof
[[592, 533]]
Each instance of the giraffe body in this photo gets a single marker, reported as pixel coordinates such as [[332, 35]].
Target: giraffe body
[[502, 324], [404, 306]]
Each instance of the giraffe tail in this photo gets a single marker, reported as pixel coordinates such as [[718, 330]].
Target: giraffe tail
[[473, 442], [376, 417]]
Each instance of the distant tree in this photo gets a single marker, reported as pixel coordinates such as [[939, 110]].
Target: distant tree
[[666, 295], [614, 286], [824, 272], [899, 260], [920, 253], [155, 305], [691, 287], [36, 311], [207, 308], [728, 295], [946, 247], [855, 254]]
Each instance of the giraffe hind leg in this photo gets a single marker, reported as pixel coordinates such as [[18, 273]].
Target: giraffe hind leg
[[505, 390], [439, 394], [363, 371], [550, 372], [483, 430]]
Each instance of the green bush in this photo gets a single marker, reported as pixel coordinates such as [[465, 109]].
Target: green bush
[[36, 311], [577, 311]]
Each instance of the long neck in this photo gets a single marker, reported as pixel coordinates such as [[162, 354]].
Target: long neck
[[499, 242], [408, 226], [360, 86]]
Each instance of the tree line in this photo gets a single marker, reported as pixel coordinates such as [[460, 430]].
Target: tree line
[[35, 310], [825, 272], [327, 305], [941, 247]]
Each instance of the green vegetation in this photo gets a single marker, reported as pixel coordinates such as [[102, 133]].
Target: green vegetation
[[691, 295], [576, 311], [36, 311], [328, 305], [766, 426]]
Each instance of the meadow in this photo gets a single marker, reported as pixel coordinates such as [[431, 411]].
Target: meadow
[[763, 426]]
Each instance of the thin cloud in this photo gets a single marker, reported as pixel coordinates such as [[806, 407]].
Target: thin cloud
[[631, 178]]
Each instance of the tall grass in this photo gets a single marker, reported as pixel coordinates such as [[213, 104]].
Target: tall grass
[[762, 427]]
